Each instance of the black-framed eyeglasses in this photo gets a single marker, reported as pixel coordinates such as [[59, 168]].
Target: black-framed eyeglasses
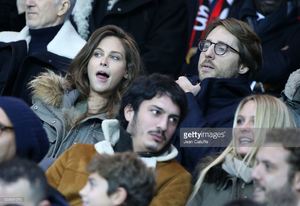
[[219, 48], [3, 128]]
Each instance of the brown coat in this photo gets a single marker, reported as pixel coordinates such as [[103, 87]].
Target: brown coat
[[68, 175]]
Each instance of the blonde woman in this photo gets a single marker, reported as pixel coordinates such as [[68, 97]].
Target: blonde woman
[[228, 176]]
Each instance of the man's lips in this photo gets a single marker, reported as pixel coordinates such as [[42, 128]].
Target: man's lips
[[157, 136], [257, 187], [30, 13], [206, 69]]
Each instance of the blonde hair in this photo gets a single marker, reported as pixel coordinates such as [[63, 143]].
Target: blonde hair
[[271, 112]]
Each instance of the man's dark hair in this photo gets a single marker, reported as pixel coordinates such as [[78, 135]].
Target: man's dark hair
[[128, 171], [146, 88], [289, 139], [15, 169]]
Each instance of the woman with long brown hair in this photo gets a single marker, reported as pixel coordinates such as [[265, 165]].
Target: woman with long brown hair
[[72, 107]]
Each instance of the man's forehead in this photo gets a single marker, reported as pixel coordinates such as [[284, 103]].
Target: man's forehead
[[274, 153], [165, 103], [221, 34]]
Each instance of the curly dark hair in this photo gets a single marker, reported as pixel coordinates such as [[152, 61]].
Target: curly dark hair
[[128, 171]]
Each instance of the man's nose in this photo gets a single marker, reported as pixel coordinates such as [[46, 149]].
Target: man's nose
[[163, 123], [29, 2], [256, 173], [210, 53]]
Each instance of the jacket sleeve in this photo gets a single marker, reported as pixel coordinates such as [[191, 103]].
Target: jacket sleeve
[[172, 190], [55, 172], [194, 117], [165, 46], [279, 63], [68, 173]]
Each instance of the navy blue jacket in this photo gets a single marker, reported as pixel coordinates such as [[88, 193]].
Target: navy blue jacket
[[280, 36], [213, 107]]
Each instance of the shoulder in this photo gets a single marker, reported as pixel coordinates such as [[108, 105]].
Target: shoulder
[[49, 88], [172, 169], [78, 156]]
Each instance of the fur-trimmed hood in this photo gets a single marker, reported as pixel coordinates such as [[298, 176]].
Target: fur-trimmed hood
[[49, 88]]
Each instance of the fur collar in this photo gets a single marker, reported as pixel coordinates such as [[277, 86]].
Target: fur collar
[[66, 43], [81, 13], [111, 133], [292, 85], [50, 88]]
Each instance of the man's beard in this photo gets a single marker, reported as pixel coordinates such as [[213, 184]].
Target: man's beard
[[283, 196]]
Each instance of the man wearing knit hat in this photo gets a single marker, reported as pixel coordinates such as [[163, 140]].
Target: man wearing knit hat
[[21, 131], [22, 135]]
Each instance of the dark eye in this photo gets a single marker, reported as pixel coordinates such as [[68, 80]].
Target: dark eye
[[155, 112], [92, 183], [115, 57], [239, 121], [97, 54], [174, 120], [206, 45], [221, 48]]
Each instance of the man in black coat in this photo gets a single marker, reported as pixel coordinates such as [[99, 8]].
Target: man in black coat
[[277, 24], [230, 55], [48, 41]]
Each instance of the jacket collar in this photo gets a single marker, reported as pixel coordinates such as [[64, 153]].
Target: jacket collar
[[111, 131], [83, 9], [80, 13], [66, 43]]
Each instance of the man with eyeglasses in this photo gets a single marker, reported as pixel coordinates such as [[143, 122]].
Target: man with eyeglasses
[[230, 54], [22, 135]]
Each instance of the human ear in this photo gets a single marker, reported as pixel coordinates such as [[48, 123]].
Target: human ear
[[128, 113], [243, 69], [63, 7], [296, 182], [119, 196], [126, 75]]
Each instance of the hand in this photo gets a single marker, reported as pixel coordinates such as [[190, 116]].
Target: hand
[[187, 86]]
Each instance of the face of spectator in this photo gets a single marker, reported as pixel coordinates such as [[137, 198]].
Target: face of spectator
[[45, 13], [268, 6], [271, 175], [107, 66], [154, 124], [220, 66], [94, 193], [21, 188], [244, 134], [7, 138]]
